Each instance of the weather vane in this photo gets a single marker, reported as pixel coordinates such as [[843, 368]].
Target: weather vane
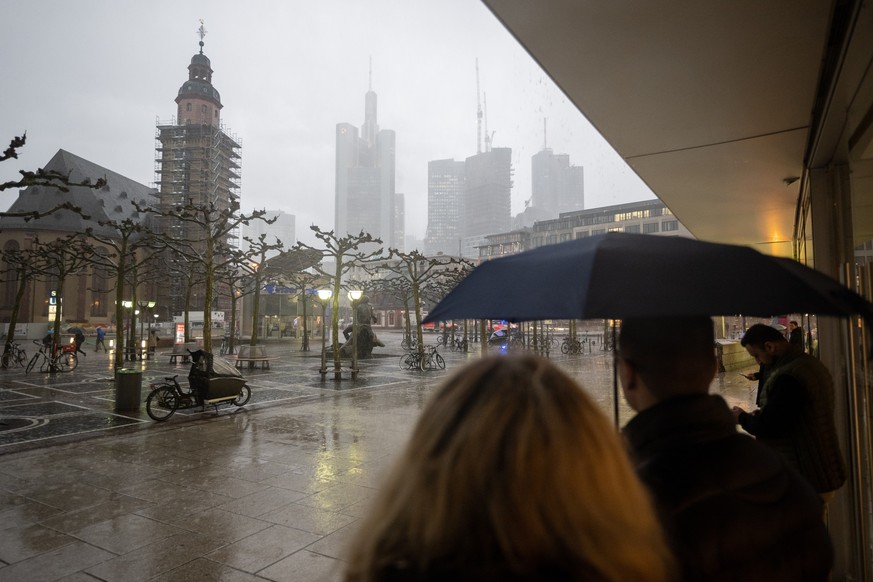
[[202, 32]]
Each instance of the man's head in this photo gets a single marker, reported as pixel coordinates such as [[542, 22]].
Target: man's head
[[792, 325], [764, 343], [661, 358]]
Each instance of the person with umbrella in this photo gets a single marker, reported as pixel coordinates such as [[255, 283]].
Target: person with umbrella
[[732, 507]]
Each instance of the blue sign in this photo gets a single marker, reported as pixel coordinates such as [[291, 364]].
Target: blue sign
[[272, 288]]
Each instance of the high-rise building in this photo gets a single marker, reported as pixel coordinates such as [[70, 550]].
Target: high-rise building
[[365, 196], [446, 180], [556, 186], [400, 222], [283, 229], [487, 197], [198, 162]]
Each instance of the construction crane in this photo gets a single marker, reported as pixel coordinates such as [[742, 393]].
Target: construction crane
[[478, 113]]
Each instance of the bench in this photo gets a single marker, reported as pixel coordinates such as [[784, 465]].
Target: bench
[[181, 351], [252, 360]]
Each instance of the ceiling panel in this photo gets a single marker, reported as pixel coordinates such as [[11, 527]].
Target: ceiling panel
[[708, 101]]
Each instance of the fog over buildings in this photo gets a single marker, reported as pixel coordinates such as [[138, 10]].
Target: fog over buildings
[[94, 81]]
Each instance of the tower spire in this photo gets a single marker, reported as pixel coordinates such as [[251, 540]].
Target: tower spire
[[201, 32]]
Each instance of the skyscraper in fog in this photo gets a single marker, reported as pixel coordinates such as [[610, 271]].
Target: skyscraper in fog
[[446, 180], [556, 185], [283, 230], [365, 196], [487, 196], [198, 162]]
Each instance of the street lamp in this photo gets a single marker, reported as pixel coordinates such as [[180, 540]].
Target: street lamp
[[323, 296], [355, 296], [304, 347], [143, 305]]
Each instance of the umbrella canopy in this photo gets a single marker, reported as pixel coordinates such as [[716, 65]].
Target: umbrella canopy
[[74, 330], [619, 275]]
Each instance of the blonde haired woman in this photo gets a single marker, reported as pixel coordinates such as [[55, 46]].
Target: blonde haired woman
[[512, 473]]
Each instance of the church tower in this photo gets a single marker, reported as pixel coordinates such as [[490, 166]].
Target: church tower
[[197, 162]]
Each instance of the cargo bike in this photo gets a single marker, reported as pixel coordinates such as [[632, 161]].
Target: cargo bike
[[210, 382]]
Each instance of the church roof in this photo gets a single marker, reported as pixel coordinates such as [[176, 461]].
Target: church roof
[[110, 203]]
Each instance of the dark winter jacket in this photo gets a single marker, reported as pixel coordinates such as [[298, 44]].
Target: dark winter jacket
[[796, 418], [731, 507]]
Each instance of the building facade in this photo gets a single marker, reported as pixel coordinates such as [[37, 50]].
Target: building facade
[[89, 294], [446, 182], [556, 186], [646, 217], [198, 162], [365, 177], [282, 230]]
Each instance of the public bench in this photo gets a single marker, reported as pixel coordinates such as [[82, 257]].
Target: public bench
[[264, 361], [181, 351], [253, 355]]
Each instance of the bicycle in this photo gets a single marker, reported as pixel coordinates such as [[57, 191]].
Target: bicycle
[[458, 345], [62, 358], [16, 356], [167, 397], [571, 346], [432, 360]]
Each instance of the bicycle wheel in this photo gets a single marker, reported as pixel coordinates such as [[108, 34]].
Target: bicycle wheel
[[404, 343], [243, 397], [32, 363], [440, 362], [407, 361], [67, 362], [440, 340], [162, 403], [21, 358], [565, 348]]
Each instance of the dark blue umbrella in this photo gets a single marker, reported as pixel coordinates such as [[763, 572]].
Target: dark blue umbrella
[[618, 275]]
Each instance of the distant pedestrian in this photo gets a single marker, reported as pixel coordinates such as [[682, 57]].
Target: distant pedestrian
[[101, 336], [795, 337]]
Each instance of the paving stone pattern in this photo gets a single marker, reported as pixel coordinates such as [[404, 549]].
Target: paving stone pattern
[[272, 491]]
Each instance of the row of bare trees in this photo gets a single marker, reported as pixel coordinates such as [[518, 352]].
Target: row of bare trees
[[135, 251]]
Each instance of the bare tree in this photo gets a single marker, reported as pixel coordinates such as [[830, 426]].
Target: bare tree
[[41, 177], [212, 224], [345, 252], [420, 271], [21, 268]]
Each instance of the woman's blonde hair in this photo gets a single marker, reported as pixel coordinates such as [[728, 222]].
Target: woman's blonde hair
[[512, 472]]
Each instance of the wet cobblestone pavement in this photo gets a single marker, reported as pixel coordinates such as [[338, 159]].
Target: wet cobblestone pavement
[[270, 491]]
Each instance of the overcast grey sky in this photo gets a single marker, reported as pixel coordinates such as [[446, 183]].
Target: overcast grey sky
[[92, 77]]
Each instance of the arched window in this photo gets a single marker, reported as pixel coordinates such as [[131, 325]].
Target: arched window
[[188, 107]]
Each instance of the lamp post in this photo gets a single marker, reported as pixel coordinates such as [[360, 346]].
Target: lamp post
[[304, 346], [323, 296], [143, 305], [354, 297], [119, 334]]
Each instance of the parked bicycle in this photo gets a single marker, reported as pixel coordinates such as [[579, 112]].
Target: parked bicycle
[[571, 345], [431, 360], [53, 358], [210, 381], [458, 344], [16, 356]]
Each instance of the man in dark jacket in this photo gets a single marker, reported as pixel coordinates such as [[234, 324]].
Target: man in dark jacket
[[796, 410], [731, 507], [795, 335]]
